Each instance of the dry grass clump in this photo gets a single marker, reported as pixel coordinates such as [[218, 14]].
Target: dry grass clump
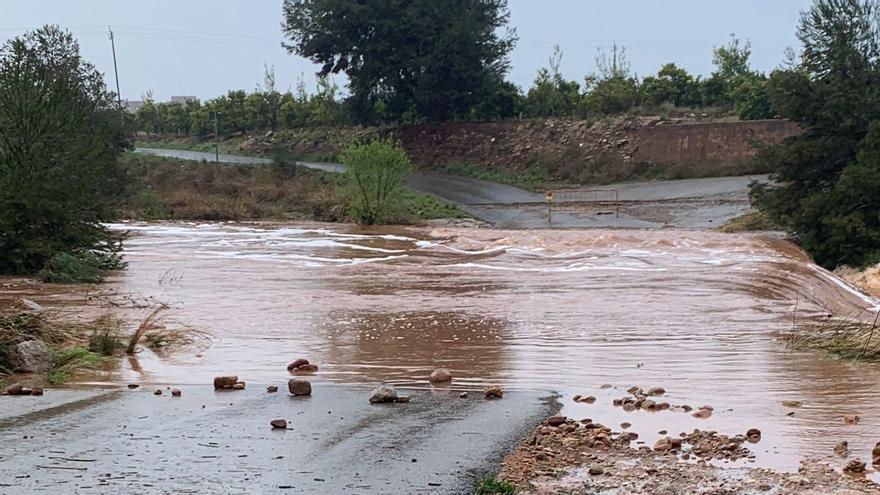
[[162, 336], [848, 338], [168, 189], [755, 221]]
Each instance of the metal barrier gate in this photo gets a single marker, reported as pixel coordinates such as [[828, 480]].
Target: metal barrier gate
[[606, 200]]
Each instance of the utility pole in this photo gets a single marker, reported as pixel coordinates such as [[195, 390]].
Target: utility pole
[[216, 136], [115, 70]]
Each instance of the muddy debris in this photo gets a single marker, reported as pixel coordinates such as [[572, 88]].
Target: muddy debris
[[792, 403], [225, 382], [493, 392], [299, 388], [302, 366], [271, 389], [702, 413], [855, 466], [842, 449], [37, 391], [383, 395], [14, 389], [297, 363], [639, 400], [543, 459], [440, 375], [556, 421], [279, 424], [585, 400], [653, 392], [402, 399], [753, 435]]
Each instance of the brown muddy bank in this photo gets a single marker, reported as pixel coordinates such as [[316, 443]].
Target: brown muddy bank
[[698, 313]]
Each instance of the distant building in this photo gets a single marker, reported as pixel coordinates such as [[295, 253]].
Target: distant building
[[183, 100], [132, 106]]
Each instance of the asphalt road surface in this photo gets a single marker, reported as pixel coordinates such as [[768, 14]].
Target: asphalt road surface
[[131, 441], [689, 203]]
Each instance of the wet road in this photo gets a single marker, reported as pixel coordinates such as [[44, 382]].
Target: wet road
[[689, 203], [221, 442]]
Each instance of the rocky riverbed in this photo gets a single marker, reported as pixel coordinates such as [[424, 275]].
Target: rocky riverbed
[[585, 458]]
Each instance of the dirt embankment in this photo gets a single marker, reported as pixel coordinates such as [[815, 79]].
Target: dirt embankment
[[612, 149], [868, 280]]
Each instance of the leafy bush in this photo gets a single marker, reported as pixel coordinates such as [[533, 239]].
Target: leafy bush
[[67, 361], [490, 485], [64, 268], [376, 174], [105, 341]]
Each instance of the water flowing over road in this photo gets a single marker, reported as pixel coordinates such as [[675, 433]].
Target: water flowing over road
[[698, 313]]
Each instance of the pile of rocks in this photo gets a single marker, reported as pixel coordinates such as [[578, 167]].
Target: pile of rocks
[[709, 445], [641, 399]]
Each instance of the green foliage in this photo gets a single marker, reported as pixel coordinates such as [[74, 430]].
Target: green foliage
[[551, 94], [827, 180], [421, 59], [671, 85], [60, 134], [240, 111], [105, 341], [490, 485], [416, 206], [376, 175], [533, 177], [64, 268], [67, 361]]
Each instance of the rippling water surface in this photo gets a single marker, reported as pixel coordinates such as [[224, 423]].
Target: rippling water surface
[[699, 314]]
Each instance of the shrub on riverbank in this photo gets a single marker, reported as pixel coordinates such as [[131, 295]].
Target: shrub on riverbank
[[375, 180]]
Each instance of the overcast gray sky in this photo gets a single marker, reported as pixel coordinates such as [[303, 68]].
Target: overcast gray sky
[[206, 47]]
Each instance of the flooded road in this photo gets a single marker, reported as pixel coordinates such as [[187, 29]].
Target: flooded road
[[697, 313]]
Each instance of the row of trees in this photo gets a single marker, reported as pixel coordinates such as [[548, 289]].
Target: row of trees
[[734, 86], [239, 111]]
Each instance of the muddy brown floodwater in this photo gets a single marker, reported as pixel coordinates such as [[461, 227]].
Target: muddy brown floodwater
[[698, 313]]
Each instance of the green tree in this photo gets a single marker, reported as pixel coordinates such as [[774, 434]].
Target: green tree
[[672, 84], [376, 174], [826, 180], [613, 89], [734, 84], [411, 59], [60, 134], [551, 95]]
